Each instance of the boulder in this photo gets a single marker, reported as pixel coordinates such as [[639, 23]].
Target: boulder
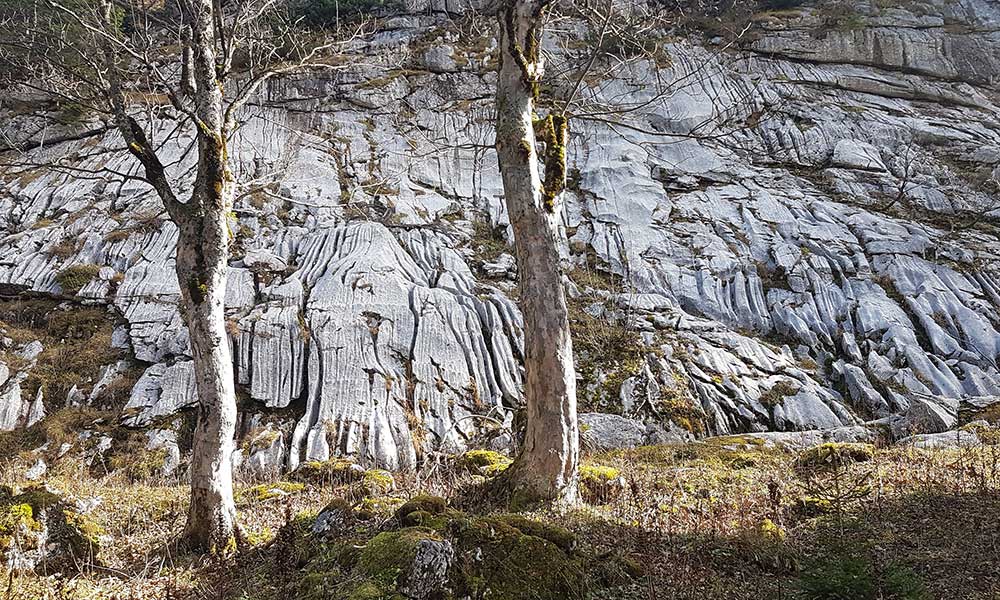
[[944, 439], [40, 530], [600, 432], [440, 58]]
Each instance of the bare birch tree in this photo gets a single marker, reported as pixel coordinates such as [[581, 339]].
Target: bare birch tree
[[103, 55]]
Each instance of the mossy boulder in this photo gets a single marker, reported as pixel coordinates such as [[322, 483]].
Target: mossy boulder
[[833, 454], [431, 505], [335, 472], [499, 555], [412, 562], [485, 462], [39, 529], [440, 552], [600, 484]]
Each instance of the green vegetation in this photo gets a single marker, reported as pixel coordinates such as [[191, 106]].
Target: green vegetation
[[834, 454], [39, 523], [488, 242], [334, 471], [485, 462], [854, 577], [600, 484], [76, 342], [72, 279], [268, 491], [777, 394], [726, 518]]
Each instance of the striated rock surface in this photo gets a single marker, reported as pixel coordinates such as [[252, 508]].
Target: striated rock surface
[[801, 235]]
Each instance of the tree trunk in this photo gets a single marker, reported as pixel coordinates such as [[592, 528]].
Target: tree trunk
[[202, 251], [546, 469], [202, 260]]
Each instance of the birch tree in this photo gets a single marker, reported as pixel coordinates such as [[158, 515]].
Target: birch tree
[[103, 55]]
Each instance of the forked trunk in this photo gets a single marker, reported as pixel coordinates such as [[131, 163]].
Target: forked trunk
[[546, 469], [202, 260]]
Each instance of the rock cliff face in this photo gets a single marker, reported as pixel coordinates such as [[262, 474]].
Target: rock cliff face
[[800, 235]]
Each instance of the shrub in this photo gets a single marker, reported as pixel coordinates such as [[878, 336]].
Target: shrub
[[854, 578], [72, 279], [832, 455]]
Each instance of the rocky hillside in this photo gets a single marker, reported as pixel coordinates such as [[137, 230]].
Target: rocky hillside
[[799, 233]]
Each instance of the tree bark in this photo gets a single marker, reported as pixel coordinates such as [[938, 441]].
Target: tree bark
[[202, 251], [546, 468], [202, 260]]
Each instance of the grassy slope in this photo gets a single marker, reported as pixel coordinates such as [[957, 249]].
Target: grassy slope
[[716, 520]]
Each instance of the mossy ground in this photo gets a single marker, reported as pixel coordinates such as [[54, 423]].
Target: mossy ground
[[721, 519]]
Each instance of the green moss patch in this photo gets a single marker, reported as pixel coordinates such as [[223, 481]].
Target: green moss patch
[[376, 482], [485, 462], [269, 491], [72, 539], [506, 557], [336, 471], [600, 484], [72, 279]]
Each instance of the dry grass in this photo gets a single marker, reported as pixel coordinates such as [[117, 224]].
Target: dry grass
[[712, 520], [76, 344]]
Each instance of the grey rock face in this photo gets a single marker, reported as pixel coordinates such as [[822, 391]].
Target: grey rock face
[[266, 458], [800, 440], [16, 411], [777, 233], [944, 439], [600, 432], [165, 440], [429, 572]]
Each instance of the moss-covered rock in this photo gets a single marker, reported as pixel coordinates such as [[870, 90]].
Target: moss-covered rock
[[378, 506], [600, 484], [560, 536], [392, 565], [439, 552], [433, 505], [834, 454], [498, 558], [269, 491], [38, 528], [336, 471], [18, 526], [485, 462]]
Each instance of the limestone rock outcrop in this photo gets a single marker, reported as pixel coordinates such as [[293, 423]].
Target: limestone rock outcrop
[[802, 235]]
